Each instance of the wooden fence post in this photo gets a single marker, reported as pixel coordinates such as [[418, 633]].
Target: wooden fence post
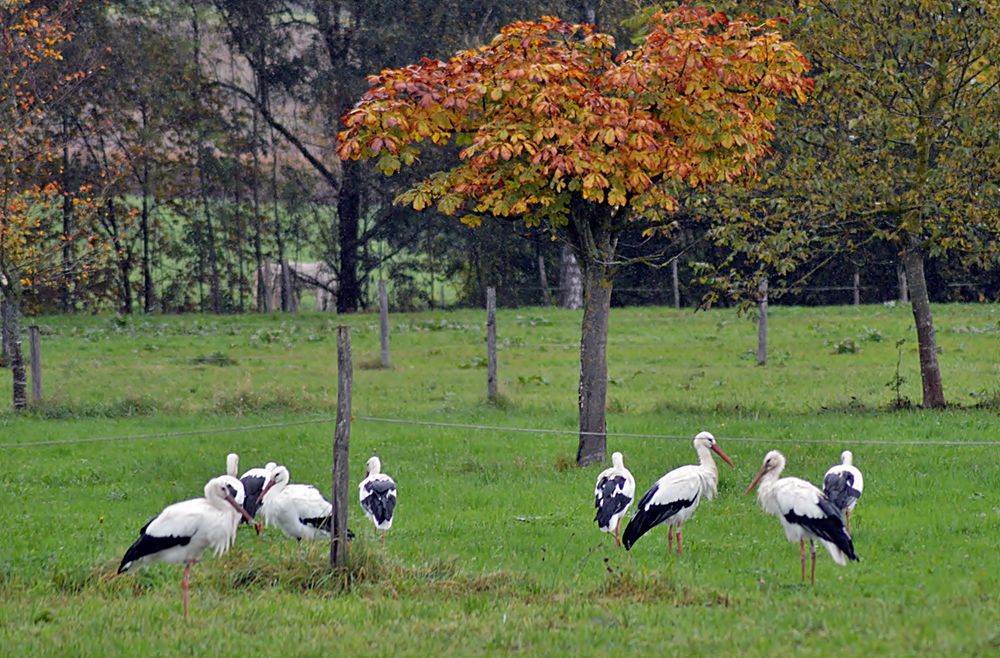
[[676, 283], [857, 288], [341, 450], [383, 311], [491, 344], [34, 338], [762, 323]]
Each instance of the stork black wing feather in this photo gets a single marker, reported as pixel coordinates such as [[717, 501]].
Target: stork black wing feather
[[380, 505], [148, 545], [829, 527], [647, 519], [839, 489], [252, 486], [609, 503], [319, 522]]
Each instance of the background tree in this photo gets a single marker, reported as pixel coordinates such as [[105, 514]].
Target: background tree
[[901, 147], [32, 87], [560, 133]]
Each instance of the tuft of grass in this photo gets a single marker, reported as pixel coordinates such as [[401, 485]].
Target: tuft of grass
[[58, 408], [246, 399], [564, 463], [846, 346], [372, 364], [214, 359], [660, 587]]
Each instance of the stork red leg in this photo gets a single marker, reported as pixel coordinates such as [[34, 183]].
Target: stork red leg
[[848, 521], [670, 538], [184, 587], [812, 549], [618, 539], [680, 548], [802, 557], [383, 538]]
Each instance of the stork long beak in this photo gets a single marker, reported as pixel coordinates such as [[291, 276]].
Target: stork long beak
[[717, 450], [756, 480], [243, 512], [267, 487]]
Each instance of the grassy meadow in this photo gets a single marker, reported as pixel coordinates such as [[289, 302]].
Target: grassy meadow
[[494, 550]]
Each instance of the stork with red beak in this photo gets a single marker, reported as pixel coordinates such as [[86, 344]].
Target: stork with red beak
[[298, 510], [674, 498], [804, 512], [182, 531]]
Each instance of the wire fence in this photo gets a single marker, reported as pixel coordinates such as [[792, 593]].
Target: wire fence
[[941, 443]]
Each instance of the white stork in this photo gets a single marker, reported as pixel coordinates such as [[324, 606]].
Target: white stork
[[182, 531], [804, 512], [253, 482], [378, 496], [675, 496], [613, 494], [843, 485], [298, 510]]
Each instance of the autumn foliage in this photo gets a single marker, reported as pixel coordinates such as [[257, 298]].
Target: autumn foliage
[[32, 253], [31, 84], [548, 110], [557, 129]]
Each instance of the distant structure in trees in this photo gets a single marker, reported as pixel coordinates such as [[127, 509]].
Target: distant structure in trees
[[318, 276]]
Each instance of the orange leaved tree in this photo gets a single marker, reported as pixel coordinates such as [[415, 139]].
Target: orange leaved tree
[[31, 247], [557, 130]]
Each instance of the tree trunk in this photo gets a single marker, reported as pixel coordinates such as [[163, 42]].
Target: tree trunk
[[593, 390], [762, 322], [543, 280], [67, 217], [12, 338], [214, 285], [4, 350], [570, 280], [590, 231], [147, 273], [904, 295], [285, 280], [675, 283], [123, 256], [262, 292], [348, 210], [930, 373], [241, 238]]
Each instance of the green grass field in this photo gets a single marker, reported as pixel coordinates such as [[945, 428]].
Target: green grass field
[[494, 550]]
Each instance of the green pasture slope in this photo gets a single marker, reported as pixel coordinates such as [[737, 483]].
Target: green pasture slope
[[494, 550]]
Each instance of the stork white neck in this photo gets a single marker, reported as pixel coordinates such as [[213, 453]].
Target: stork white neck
[[617, 461], [232, 464], [847, 458], [217, 489], [774, 464], [374, 466], [703, 446], [280, 477]]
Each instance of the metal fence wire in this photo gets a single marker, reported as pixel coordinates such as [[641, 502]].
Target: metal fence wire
[[501, 429]]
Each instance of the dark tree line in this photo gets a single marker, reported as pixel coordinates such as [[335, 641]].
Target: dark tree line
[[205, 136], [214, 123]]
